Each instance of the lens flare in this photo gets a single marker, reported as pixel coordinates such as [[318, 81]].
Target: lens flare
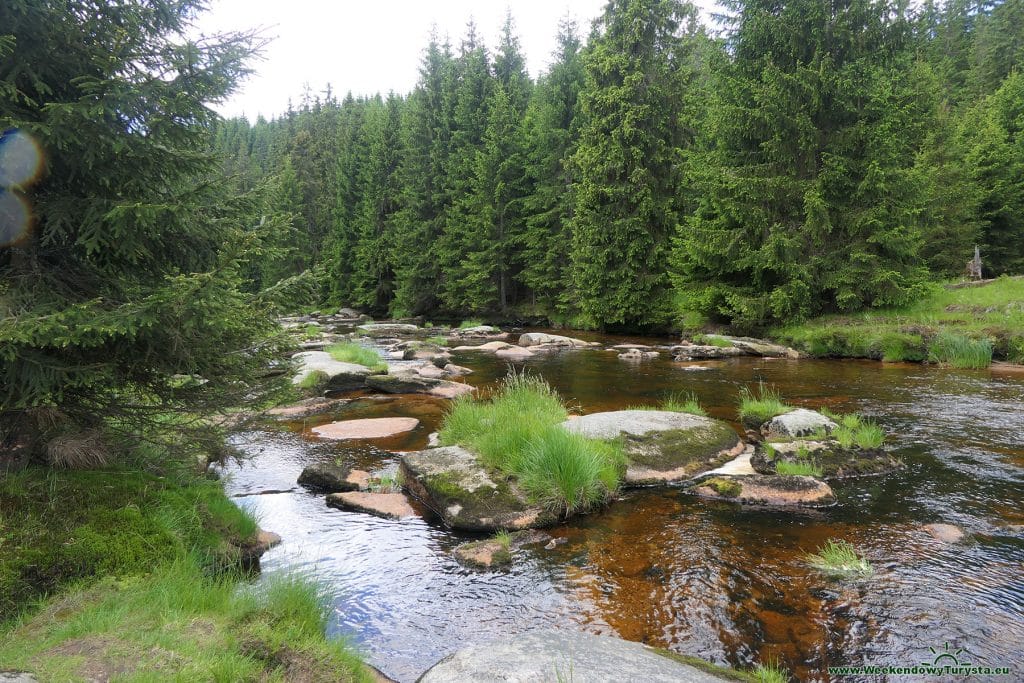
[[21, 159], [15, 218]]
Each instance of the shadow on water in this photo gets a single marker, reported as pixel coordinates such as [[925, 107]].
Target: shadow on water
[[719, 581]]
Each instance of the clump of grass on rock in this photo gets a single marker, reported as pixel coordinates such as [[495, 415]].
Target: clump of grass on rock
[[757, 407], [517, 433], [854, 431], [349, 352], [840, 559]]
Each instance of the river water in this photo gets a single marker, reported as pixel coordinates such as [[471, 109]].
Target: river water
[[716, 580]]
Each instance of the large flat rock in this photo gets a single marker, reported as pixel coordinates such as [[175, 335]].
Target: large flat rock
[[549, 655], [386, 505], [370, 428], [763, 489], [452, 482], [834, 461], [663, 447]]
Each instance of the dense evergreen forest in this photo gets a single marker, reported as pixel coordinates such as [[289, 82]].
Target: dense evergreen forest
[[804, 157]]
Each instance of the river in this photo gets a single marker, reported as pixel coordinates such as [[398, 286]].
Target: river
[[715, 580]]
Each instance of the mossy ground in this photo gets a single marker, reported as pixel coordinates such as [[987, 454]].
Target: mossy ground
[[992, 312], [723, 487], [137, 573]]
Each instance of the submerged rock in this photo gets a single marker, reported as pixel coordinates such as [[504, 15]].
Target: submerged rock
[[483, 554], [550, 655], [386, 505], [663, 447], [539, 338], [328, 476], [370, 428], [799, 422], [456, 370], [637, 354], [514, 353], [451, 390], [451, 481], [947, 533], [763, 489]]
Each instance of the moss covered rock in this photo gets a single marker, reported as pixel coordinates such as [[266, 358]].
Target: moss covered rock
[[663, 447], [765, 489], [466, 495], [835, 462]]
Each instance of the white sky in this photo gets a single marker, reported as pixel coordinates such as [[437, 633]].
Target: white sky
[[372, 46]]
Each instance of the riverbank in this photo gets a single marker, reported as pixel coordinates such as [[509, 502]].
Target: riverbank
[[143, 570], [963, 327]]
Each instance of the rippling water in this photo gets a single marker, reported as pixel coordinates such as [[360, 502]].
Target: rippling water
[[715, 580]]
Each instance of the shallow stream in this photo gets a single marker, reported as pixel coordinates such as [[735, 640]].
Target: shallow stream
[[715, 580]]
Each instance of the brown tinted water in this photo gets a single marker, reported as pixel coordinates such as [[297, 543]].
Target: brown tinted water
[[716, 580]]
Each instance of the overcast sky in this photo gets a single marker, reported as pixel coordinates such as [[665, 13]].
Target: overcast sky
[[371, 46]]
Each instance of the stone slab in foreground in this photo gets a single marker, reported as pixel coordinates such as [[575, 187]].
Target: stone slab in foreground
[[764, 489], [663, 447], [543, 656]]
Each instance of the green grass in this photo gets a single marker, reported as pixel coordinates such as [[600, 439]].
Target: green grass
[[135, 574], [991, 313], [387, 483], [959, 351], [466, 324], [801, 467], [770, 672], [684, 403], [349, 352], [314, 380], [516, 432], [311, 332], [437, 340], [504, 538], [854, 431], [179, 622], [760, 406], [839, 559], [712, 340], [64, 526]]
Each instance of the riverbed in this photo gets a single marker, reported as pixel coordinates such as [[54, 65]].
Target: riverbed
[[660, 566]]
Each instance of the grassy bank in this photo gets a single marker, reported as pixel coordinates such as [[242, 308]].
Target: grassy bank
[[966, 327], [136, 572], [516, 432]]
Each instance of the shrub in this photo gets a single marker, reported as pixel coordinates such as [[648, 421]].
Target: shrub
[[349, 352], [960, 351], [759, 407], [840, 559]]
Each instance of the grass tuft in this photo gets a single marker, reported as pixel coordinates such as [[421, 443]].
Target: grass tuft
[[854, 431], [466, 324], [350, 352], [504, 538], [839, 559], [684, 403], [770, 672], [314, 380], [960, 351], [760, 406], [516, 432], [805, 468]]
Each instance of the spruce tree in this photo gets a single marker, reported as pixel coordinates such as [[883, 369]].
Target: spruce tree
[[808, 196], [628, 159], [129, 277], [551, 130]]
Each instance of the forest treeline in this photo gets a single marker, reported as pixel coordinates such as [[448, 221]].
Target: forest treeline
[[804, 157]]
